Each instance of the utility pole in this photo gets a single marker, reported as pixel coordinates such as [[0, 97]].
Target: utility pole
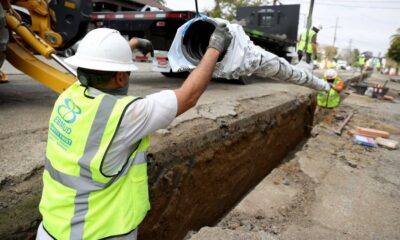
[[351, 57], [336, 27], [350, 42], [274, 2], [310, 12]]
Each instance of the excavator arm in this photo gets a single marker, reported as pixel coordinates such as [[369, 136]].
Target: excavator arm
[[56, 25]]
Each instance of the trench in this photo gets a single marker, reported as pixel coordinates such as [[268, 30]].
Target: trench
[[197, 173], [200, 179]]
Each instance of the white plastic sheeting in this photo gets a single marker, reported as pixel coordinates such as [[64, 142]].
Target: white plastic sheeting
[[243, 58]]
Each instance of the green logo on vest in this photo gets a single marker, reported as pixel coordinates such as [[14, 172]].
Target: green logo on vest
[[68, 111]]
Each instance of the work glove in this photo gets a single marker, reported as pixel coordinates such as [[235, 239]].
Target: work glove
[[145, 46], [221, 38]]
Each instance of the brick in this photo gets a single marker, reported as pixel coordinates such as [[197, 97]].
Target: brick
[[369, 132]]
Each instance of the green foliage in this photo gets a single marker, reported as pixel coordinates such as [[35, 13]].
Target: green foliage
[[394, 49], [330, 52], [391, 63], [161, 2], [356, 55], [227, 8]]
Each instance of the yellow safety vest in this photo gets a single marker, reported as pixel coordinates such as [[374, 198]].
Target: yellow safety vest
[[79, 201], [361, 61], [302, 43], [331, 99]]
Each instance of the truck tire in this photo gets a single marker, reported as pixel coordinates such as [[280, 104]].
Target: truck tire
[[3, 36], [175, 74]]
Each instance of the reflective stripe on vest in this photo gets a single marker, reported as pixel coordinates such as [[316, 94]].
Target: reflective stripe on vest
[[330, 100], [76, 195], [302, 42], [85, 184]]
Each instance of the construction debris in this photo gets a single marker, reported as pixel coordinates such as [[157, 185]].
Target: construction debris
[[373, 133], [387, 97], [339, 130], [387, 143], [365, 141]]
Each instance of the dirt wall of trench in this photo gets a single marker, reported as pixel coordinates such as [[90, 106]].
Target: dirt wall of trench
[[197, 172]]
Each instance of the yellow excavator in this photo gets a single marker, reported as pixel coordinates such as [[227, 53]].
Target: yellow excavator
[[29, 27]]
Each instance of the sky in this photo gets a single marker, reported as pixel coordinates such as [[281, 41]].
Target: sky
[[368, 24]]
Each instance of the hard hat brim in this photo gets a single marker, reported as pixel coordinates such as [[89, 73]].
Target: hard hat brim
[[100, 65]]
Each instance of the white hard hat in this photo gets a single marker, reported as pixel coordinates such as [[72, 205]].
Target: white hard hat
[[103, 49], [330, 74], [318, 26]]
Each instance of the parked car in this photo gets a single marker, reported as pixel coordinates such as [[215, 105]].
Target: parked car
[[341, 65]]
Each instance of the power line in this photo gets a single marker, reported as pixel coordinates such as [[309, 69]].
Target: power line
[[349, 6]]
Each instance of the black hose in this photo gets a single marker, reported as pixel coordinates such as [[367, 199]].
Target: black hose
[[196, 38]]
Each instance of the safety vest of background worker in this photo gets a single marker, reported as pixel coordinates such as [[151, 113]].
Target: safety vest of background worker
[[361, 61], [378, 65], [311, 48], [95, 178], [331, 98]]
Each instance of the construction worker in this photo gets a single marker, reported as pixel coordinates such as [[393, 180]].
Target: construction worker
[[95, 177], [361, 62], [311, 48], [378, 65], [331, 98]]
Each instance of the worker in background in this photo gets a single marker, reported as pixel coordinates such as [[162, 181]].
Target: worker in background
[[311, 48], [378, 65], [331, 98], [95, 177], [361, 62]]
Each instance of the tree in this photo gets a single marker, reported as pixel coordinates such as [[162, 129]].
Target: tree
[[330, 52], [351, 56], [227, 8], [394, 49], [161, 2], [356, 54]]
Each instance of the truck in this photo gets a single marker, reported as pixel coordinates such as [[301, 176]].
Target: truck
[[157, 26], [58, 25], [273, 28]]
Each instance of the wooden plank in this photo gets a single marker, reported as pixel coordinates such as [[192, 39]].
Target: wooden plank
[[389, 98], [369, 132], [390, 144]]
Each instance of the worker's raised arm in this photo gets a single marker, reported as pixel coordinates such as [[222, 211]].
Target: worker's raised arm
[[196, 83]]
